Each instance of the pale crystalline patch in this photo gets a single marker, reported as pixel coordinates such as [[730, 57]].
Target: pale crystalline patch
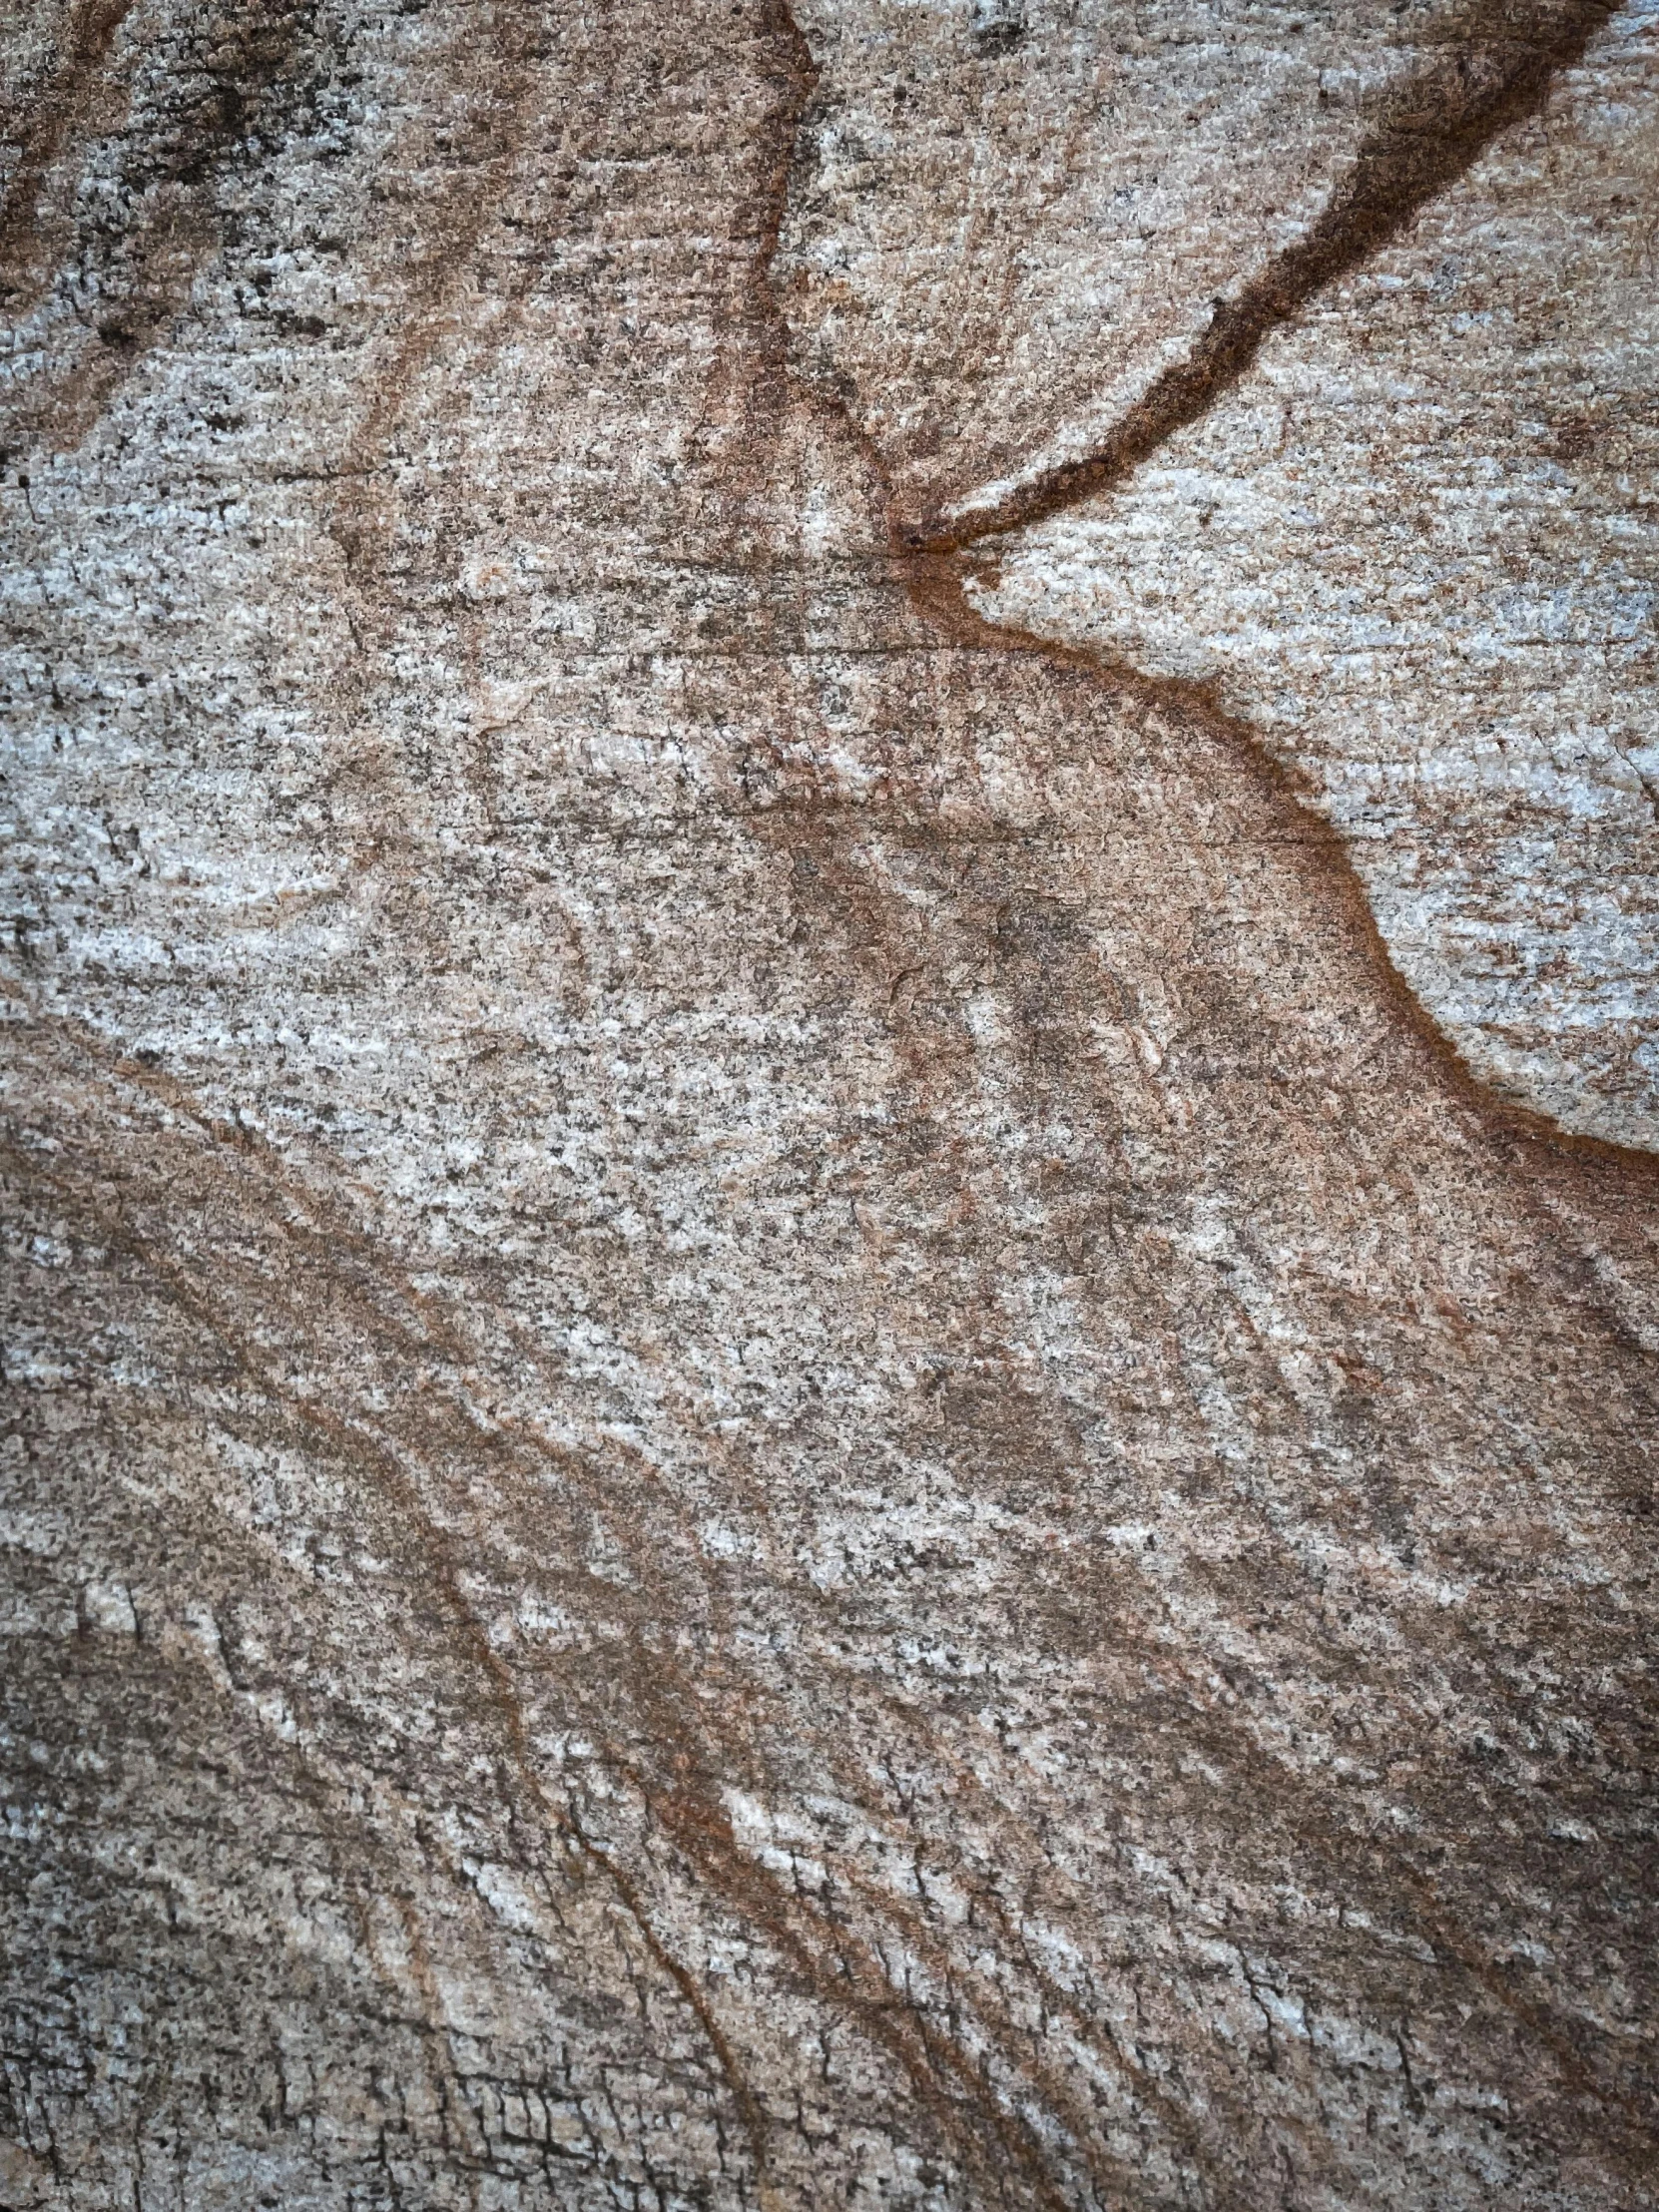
[[1417, 549], [109, 1606]]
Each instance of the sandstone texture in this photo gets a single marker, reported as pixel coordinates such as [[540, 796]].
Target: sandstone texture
[[780, 1430], [1417, 549], [1006, 220]]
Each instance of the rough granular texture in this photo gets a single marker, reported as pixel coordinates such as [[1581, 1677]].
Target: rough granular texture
[[777, 1435], [1418, 547], [1002, 230]]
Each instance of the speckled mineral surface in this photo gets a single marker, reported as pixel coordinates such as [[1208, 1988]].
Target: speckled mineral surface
[[1417, 549], [832, 1238]]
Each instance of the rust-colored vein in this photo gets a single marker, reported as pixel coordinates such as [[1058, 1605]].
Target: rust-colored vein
[[936, 584], [846, 1972], [1438, 124], [826, 1953], [1439, 127], [937, 581]]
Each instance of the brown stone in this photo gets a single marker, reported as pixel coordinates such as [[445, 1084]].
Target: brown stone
[[779, 1437]]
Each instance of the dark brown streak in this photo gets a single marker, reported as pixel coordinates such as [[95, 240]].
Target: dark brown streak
[[1429, 140], [88, 38], [800, 78], [936, 583], [359, 1447], [175, 133], [750, 2108], [846, 1971], [1396, 174], [353, 1445]]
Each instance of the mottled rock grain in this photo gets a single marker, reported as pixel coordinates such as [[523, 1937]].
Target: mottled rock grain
[[778, 1432]]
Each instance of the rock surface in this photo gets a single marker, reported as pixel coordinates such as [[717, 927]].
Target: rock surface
[[1418, 548], [1006, 221], [776, 1434]]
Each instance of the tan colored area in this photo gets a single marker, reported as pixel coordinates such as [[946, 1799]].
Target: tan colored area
[[776, 1436], [1009, 218], [1417, 549]]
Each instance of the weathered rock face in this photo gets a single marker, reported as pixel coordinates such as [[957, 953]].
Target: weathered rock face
[[1005, 222], [779, 1437], [1418, 547], [1012, 222]]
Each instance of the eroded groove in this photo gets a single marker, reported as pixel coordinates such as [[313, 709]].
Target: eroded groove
[[1435, 132]]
